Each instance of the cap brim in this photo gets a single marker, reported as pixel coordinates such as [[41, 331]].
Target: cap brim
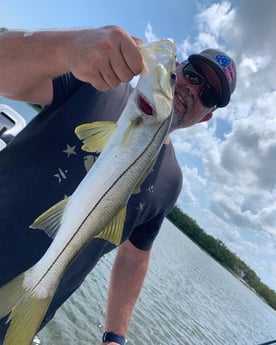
[[225, 96]]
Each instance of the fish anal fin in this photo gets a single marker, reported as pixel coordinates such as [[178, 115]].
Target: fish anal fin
[[95, 135], [50, 220], [114, 230]]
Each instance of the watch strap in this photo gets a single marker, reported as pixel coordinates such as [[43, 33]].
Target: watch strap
[[112, 337]]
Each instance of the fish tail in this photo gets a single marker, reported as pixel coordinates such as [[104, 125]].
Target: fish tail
[[26, 311]]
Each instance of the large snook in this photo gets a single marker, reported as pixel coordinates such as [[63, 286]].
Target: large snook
[[98, 205]]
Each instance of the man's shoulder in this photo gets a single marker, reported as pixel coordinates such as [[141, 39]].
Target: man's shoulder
[[170, 162], [163, 184]]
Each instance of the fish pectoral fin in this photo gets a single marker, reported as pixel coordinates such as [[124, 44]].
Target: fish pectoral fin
[[50, 220], [95, 135], [114, 230], [26, 311], [137, 188]]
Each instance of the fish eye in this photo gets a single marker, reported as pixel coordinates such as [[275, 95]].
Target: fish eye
[[173, 76], [173, 79]]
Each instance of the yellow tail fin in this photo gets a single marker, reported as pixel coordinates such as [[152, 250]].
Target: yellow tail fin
[[26, 311]]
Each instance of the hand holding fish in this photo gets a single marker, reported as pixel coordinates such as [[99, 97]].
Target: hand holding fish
[[103, 57]]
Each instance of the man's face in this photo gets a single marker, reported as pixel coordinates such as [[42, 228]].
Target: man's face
[[188, 108]]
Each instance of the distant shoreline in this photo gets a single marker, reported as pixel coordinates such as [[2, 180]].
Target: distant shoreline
[[217, 250]]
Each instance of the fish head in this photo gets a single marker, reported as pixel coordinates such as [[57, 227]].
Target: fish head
[[155, 87]]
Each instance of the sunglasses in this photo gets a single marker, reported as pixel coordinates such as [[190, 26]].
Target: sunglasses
[[207, 94]]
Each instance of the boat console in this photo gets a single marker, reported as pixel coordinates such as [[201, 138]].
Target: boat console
[[11, 123]]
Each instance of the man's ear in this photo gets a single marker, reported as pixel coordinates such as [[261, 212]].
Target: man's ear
[[206, 117]]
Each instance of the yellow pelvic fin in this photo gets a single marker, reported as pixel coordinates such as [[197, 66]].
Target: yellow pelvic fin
[[50, 220], [95, 135], [26, 311], [114, 230]]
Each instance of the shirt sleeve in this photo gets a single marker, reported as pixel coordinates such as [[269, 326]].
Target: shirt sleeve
[[144, 235], [168, 184], [64, 86]]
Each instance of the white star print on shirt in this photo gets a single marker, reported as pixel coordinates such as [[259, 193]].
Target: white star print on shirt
[[70, 150]]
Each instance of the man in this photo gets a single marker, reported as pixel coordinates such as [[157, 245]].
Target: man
[[81, 76]]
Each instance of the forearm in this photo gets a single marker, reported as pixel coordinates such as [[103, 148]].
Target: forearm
[[127, 277], [29, 61], [103, 57]]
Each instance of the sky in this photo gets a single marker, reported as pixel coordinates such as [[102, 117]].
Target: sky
[[228, 164]]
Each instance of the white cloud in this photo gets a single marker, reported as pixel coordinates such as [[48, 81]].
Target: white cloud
[[191, 182], [237, 153], [149, 34], [229, 182]]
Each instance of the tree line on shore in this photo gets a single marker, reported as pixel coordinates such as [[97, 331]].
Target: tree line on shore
[[217, 249]]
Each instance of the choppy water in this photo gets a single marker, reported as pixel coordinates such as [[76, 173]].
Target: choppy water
[[188, 299]]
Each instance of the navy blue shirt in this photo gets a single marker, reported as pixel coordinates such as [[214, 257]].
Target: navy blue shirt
[[44, 163]]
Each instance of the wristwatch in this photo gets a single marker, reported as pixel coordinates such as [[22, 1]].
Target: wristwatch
[[110, 336]]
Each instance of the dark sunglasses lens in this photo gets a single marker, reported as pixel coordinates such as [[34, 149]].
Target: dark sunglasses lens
[[208, 96], [194, 76], [191, 75]]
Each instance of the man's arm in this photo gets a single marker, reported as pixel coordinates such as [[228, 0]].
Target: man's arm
[[29, 61], [127, 277]]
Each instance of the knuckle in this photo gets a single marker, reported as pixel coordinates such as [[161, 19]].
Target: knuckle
[[96, 59], [118, 34], [105, 45]]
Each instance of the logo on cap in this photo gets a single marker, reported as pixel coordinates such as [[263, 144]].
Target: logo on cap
[[227, 65]]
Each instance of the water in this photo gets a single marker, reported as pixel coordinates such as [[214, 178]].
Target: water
[[188, 299]]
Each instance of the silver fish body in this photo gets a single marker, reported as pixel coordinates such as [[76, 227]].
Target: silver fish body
[[98, 205]]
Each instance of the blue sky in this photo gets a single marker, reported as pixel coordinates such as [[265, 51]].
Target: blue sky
[[228, 164]]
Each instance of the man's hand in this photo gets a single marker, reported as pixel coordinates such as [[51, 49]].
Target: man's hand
[[103, 57]]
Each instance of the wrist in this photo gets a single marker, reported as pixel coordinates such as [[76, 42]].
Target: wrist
[[109, 337]]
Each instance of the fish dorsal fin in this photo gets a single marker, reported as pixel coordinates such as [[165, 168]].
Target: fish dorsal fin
[[95, 135], [50, 220], [114, 230], [137, 188]]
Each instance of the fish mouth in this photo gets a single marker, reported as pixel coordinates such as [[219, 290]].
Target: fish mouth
[[143, 104]]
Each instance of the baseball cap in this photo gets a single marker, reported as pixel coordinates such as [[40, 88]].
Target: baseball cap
[[225, 69]]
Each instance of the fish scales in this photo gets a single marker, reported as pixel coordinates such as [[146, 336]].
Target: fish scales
[[98, 205]]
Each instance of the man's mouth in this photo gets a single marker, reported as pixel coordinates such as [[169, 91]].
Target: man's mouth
[[181, 103]]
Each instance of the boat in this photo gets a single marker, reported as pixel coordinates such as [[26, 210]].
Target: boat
[[11, 123]]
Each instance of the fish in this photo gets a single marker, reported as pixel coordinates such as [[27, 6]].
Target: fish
[[97, 207]]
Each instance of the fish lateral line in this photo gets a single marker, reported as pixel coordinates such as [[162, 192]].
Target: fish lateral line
[[99, 201]]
